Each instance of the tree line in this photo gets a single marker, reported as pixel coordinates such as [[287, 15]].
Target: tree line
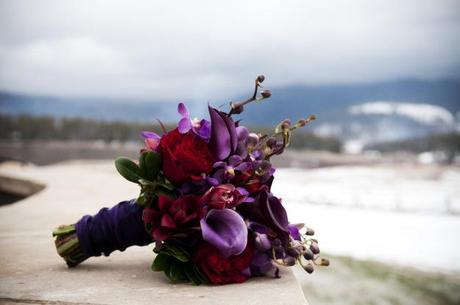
[[26, 128]]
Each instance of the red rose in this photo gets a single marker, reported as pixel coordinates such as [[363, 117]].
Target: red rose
[[168, 218], [185, 156], [219, 270]]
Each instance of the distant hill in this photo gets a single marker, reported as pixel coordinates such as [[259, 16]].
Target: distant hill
[[332, 104]]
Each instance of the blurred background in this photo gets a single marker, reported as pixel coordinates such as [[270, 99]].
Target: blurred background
[[377, 175]]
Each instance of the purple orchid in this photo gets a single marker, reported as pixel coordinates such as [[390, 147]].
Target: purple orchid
[[201, 128], [225, 230], [226, 170], [224, 138]]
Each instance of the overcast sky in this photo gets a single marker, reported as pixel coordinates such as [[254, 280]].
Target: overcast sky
[[200, 49]]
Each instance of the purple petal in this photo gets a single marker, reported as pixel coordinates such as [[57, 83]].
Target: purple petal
[[234, 160], [184, 125], [204, 130], [262, 242], [183, 110], [242, 191], [294, 231], [150, 135], [242, 133], [223, 139], [243, 167], [226, 230], [219, 164]]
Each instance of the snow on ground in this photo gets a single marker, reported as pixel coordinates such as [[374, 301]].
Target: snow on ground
[[402, 215]]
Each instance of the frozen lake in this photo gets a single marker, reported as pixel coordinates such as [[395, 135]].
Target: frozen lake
[[403, 214]]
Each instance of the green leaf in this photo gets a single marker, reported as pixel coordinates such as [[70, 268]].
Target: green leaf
[[161, 262], [145, 182], [153, 164], [176, 252], [128, 169], [176, 272], [200, 275], [191, 275]]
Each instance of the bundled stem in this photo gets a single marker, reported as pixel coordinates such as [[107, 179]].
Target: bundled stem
[[68, 245]]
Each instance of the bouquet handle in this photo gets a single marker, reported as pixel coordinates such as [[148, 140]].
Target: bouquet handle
[[111, 229]]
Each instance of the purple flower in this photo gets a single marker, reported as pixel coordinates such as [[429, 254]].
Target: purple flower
[[267, 210], [224, 139], [226, 170], [226, 230], [200, 128], [294, 231]]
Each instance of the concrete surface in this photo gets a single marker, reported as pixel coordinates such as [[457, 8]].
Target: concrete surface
[[31, 272]]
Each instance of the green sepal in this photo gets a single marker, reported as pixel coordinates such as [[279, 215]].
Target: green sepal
[[128, 169], [161, 262]]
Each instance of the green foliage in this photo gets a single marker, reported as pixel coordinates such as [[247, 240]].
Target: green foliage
[[150, 164], [175, 262], [128, 169]]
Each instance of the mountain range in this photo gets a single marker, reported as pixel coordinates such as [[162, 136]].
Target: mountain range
[[395, 109]]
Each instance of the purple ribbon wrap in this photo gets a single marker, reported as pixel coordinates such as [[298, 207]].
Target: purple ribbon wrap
[[112, 229]]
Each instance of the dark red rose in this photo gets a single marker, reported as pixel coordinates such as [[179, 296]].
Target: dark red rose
[[185, 156], [172, 218], [219, 270]]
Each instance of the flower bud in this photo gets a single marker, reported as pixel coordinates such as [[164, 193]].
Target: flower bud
[[271, 142], [308, 254], [289, 261], [314, 248], [301, 123], [285, 124], [237, 109], [310, 231], [309, 268], [260, 78], [324, 262], [253, 140], [293, 252], [266, 93]]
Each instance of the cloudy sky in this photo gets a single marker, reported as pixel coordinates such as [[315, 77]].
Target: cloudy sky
[[162, 49]]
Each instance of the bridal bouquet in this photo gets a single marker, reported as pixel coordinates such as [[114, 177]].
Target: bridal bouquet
[[205, 202]]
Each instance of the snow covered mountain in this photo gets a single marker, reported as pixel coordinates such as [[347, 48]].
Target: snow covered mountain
[[381, 121]]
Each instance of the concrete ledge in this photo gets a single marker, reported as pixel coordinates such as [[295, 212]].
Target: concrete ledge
[[32, 273]]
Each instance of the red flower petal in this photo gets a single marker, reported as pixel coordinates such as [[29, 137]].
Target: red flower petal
[[167, 221]]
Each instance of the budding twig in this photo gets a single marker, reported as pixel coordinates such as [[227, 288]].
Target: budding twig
[[238, 107]]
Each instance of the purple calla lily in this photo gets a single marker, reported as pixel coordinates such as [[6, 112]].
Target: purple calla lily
[[224, 139], [267, 210], [225, 230]]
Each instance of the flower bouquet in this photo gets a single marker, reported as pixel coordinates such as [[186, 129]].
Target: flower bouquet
[[204, 201]]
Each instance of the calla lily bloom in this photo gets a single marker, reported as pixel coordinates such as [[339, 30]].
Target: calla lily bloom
[[224, 138], [226, 230]]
